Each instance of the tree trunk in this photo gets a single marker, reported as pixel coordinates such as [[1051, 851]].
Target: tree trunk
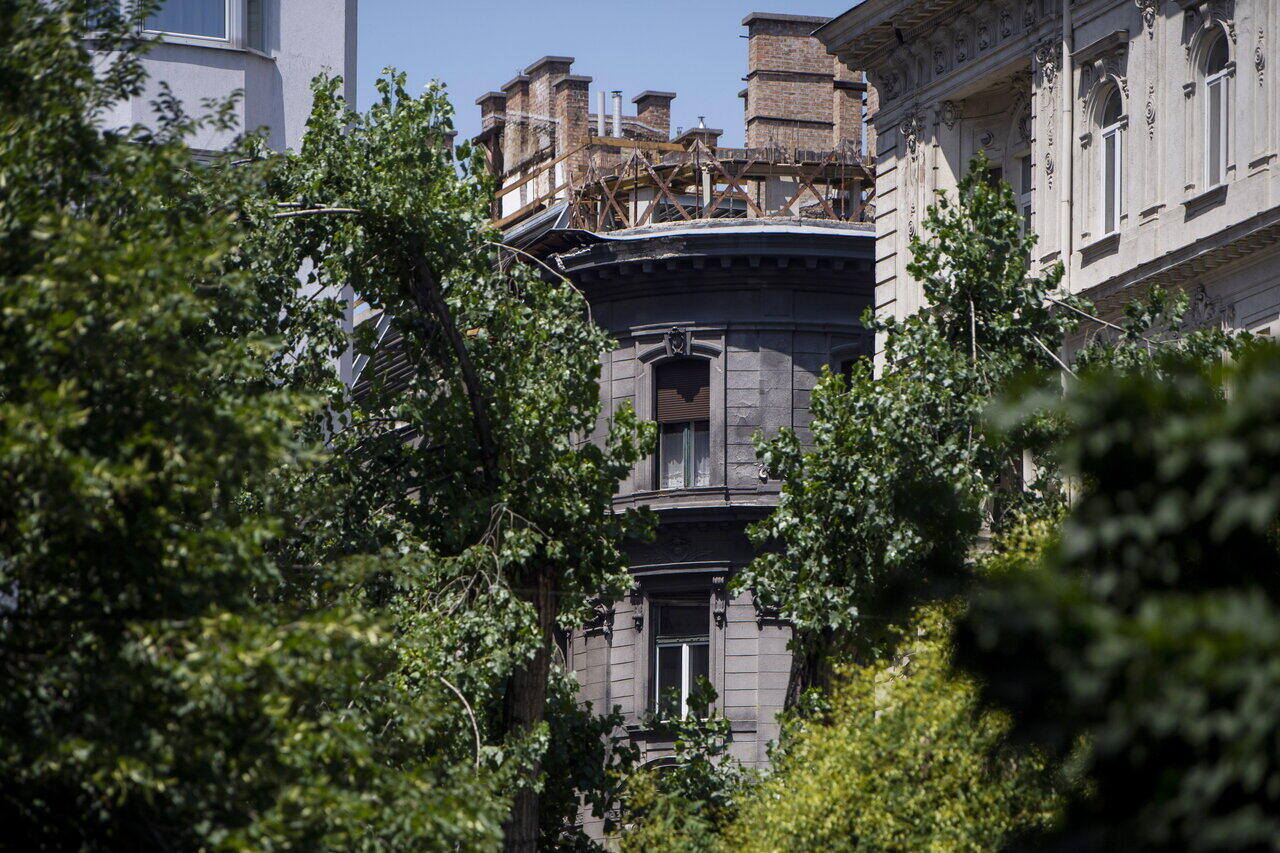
[[525, 707], [810, 668]]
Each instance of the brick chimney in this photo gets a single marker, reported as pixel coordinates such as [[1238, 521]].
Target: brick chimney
[[654, 109], [795, 95], [570, 99]]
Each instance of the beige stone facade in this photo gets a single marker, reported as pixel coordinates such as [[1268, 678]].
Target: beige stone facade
[[1142, 136]]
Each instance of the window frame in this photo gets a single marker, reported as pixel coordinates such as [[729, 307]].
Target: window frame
[[689, 429], [1026, 181], [239, 30], [1111, 165], [685, 644], [689, 433], [226, 26], [1218, 82]]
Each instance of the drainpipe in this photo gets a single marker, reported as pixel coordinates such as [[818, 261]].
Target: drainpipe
[[1068, 146]]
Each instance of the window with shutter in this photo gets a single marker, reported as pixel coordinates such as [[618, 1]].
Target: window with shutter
[[682, 405]]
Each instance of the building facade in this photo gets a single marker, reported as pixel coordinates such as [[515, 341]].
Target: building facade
[[1140, 138], [728, 278], [267, 49]]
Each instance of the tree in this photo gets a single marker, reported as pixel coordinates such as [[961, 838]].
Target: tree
[[684, 804], [903, 758], [244, 608], [162, 683], [1147, 638], [881, 513], [471, 461]]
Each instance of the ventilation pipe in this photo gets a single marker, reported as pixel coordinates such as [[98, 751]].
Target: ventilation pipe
[[600, 115], [617, 113]]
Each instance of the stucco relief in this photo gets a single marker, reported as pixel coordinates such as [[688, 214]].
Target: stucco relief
[[1206, 312], [1200, 18], [1148, 8]]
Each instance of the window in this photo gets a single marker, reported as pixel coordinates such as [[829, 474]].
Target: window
[[1112, 158], [204, 18], [1217, 113], [1024, 192], [681, 655], [683, 411]]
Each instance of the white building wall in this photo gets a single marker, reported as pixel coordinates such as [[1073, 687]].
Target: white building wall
[[957, 77], [301, 39]]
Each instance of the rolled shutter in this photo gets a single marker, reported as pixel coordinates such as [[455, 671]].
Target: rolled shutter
[[682, 393]]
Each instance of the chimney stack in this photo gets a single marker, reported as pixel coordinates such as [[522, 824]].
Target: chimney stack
[[792, 99], [654, 109], [617, 113], [600, 115]]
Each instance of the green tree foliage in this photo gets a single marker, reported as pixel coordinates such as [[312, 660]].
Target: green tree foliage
[[242, 609], [160, 685], [685, 803], [491, 518], [1150, 633], [903, 759], [879, 514]]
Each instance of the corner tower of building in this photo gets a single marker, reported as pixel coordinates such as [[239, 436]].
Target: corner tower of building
[[729, 278]]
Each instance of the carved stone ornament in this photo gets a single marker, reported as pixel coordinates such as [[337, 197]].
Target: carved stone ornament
[[1151, 110], [1024, 126], [1005, 23], [984, 34], [1206, 312], [912, 127], [987, 139], [939, 59], [1148, 8], [1260, 57], [1047, 59], [677, 341], [948, 112], [962, 46], [1048, 169], [1029, 14], [762, 471], [719, 602]]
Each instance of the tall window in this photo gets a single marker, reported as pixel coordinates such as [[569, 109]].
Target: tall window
[[682, 652], [1217, 117], [1112, 160], [1024, 192], [683, 411], [204, 18]]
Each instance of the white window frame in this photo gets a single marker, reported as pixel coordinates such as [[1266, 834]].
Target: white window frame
[[1026, 179], [236, 25], [226, 26], [686, 663], [1112, 166], [1219, 81]]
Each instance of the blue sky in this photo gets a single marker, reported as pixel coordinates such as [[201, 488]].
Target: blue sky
[[690, 47]]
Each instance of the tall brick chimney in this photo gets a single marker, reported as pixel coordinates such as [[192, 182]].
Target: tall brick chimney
[[654, 109], [797, 95]]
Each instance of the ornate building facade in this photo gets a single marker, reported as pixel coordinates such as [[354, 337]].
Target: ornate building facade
[[1140, 138], [729, 278]]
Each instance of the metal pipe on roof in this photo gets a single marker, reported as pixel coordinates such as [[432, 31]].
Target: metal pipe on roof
[[600, 116], [617, 113]]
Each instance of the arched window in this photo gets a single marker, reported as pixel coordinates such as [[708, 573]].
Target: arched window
[[1217, 112], [1112, 160], [682, 408]]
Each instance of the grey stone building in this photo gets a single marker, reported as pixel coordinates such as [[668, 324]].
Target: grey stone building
[[728, 278]]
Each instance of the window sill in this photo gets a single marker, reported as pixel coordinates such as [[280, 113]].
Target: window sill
[[1206, 200], [1099, 248], [211, 43]]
